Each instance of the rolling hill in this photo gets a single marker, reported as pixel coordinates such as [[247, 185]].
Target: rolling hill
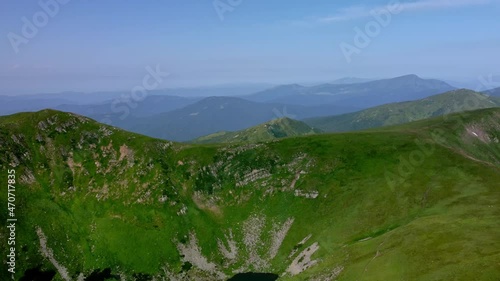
[[399, 113], [361, 95], [414, 202], [216, 114], [272, 130]]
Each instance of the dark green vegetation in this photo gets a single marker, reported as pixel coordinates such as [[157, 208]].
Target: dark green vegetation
[[414, 202], [272, 130], [404, 112], [254, 276], [38, 275]]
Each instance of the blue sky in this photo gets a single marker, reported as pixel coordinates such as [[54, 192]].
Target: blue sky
[[106, 45]]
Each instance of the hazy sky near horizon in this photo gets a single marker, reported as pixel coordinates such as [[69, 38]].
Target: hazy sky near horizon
[[106, 45]]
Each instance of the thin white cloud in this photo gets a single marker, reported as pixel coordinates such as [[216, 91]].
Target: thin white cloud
[[357, 12], [439, 4], [345, 14]]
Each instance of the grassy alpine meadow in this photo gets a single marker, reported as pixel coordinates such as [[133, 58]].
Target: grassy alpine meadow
[[419, 201]]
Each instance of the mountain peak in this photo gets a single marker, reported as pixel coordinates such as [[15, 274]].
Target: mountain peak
[[350, 80], [271, 130], [409, 77]]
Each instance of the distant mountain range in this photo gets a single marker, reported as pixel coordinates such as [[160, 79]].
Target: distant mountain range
[[216, 114], [114, 109], [385, 115], [92, 103], [348, 93], [187, 118], [351, 80], [235, 89], [493, 92], [100, 102], [363, 95], [272, 130], [399, 113], [14, 104], [71, 97]]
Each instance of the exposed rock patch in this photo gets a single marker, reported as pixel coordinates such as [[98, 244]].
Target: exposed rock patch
[[192, 253], [279, 233], [303, 261], [49, 254]]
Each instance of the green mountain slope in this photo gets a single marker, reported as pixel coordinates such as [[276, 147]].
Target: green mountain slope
[[415, 202], [404, 112], [275, 129]]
